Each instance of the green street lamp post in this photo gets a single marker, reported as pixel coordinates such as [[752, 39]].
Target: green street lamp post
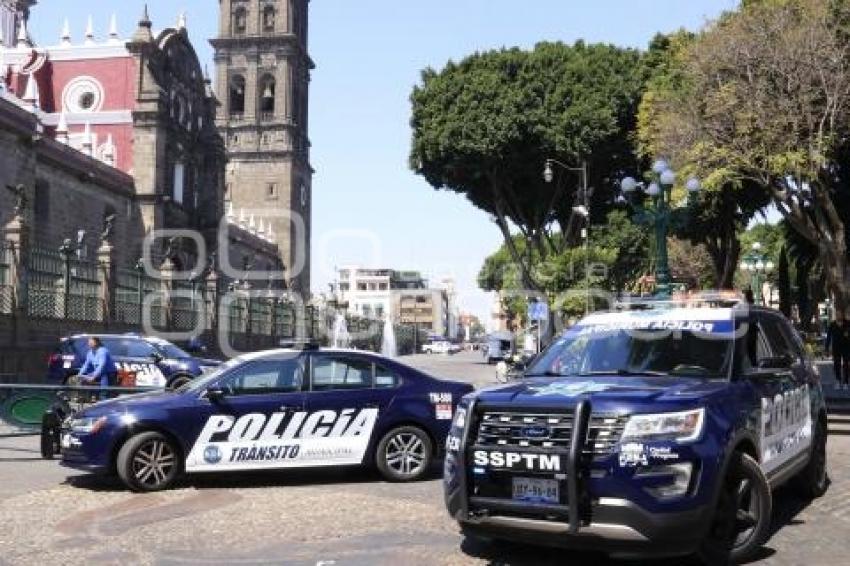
[[758, 265], [653, 206]]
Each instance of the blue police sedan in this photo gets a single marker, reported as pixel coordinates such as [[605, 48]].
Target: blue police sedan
[[287, 408]]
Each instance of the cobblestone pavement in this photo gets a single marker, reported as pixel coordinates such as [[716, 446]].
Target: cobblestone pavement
[[51, 515]]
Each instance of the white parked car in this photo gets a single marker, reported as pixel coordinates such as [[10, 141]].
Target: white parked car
[[441, 347]]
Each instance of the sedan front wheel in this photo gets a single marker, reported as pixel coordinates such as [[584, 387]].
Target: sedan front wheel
[[149, 461]]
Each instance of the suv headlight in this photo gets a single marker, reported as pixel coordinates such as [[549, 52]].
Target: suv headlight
[[460, 418], [87, 425], [684, 426]]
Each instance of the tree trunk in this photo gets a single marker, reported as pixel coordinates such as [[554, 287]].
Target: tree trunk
[[804, 302]]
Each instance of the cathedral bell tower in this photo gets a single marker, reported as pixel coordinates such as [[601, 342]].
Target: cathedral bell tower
[[12, 13], [262, 80]]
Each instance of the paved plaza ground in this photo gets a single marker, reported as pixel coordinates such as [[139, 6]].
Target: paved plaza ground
[[49, 515]]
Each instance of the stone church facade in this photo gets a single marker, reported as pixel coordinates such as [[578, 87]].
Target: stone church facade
[[99, 126]]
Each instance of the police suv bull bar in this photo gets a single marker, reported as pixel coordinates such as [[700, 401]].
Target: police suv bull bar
[[578, 439]]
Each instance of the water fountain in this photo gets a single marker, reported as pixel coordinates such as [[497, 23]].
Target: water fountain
[[340, 338], [388, 345]]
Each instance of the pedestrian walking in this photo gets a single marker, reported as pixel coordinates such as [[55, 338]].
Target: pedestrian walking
[[838, 343]]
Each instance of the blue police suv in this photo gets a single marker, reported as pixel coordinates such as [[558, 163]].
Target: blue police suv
[[286, 408], [657, 431], [156, 362]]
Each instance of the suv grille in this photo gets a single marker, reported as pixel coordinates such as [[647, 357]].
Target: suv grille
[[548, 431]]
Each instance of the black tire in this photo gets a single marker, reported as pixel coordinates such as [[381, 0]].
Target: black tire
[[178, 381], [404, 454], [49, 435], [741, 522], [813, 481], [135, 455]]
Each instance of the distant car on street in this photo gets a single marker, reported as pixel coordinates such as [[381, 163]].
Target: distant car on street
[[498, 346], [441, 347], [280, 409], [154, 361]]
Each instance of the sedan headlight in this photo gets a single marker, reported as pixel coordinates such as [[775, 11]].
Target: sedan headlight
[[87, 425], [684, 426]]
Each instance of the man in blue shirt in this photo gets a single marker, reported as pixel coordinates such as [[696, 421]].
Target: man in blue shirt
[[99, 367]]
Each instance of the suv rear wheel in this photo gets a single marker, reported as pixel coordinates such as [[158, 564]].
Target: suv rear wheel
[[405, 454], [148, 461], [742, 517]]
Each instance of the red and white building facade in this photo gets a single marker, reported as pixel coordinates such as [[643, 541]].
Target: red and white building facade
[[140, 105]]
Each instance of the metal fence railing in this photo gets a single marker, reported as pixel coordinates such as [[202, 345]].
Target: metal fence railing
[[22, 407], [63, 286], [6, 289], [45, 283], [60, 284]]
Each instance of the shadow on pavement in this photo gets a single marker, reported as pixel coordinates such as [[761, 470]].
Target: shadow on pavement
[[787, 507], [255, 479], [516, 554]]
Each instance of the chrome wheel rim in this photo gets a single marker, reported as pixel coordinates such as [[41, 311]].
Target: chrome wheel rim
[[405, 454], [153, 463]]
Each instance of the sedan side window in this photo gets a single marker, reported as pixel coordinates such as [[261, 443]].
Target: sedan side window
[[263, 377], [336, 372], [385, 379]]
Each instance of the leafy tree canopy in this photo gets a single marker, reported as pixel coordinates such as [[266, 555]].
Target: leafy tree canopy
[[484, 127]]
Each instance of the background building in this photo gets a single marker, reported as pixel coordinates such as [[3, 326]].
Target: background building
[[402, 295], [262, 78]]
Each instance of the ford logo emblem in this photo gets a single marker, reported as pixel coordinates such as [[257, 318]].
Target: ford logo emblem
[[536, 432]]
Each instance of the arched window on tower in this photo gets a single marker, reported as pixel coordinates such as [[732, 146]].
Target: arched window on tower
[[237, 95], [267, 97], [269, 16], [240, 21]]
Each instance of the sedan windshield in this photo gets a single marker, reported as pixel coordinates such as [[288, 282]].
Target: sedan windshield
[[616, 350]]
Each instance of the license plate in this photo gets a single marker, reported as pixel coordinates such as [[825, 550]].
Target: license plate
[[536, 490], [66, 441]]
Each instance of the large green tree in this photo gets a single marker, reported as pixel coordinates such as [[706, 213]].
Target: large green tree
[[723, 208], [484, 127], [616, 256], [766, 100]]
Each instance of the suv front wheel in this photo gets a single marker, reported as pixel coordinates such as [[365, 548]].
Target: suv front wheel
[[178, 381], [741, 520]]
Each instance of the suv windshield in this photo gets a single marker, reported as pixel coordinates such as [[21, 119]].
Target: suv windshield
[[693, 348]]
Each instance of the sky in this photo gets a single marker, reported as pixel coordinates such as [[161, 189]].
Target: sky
[[368, 207]]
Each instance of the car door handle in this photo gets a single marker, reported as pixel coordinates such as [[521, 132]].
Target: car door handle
[[289, 408], [372, 406]]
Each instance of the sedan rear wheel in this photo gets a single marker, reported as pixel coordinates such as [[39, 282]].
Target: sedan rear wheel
[[405, 454], [148, 462]]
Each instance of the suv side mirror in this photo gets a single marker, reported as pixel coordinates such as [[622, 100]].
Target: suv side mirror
[[157, 357], [215, 394]]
